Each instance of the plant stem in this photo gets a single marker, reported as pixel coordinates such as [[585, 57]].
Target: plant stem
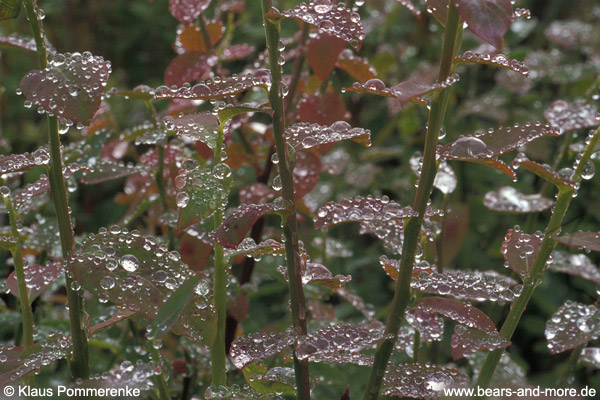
[[17, 254], [412, 229], [290, 229], [218, 356], [80, 364], [563, 200], [159, 380], [570, 366]]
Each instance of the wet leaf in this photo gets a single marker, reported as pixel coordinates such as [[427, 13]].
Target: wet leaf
[[103, 171], [200, 192], [70, 87], [466, 341], [318, 274], [24, 162], [258, 346], [469, 285], [135, 272], [361, 209], [37, 278], [121, 315], [429, 325], [581, 240], [239, 222], [421, 380], [256, 193], [236, 392], [237, 52], [127, 376], [8, 242], [358, 67], [187, 11], [488, 19], [392, 267], [16, 41], [457, 311], [322, 53], [328, 17], [201, 127], [575, 264], [188, 67], [566, 117], [20, 361], [140, 92], [275, 380], [572, 325], [227, 112], [341, 338], [545, 172], [520, 250], [445, 179], [307, 171], [306, 136], [250, 248], [509, 199], [190, 37], [591, 357], [216, 88], [498, 60], [9, 9]]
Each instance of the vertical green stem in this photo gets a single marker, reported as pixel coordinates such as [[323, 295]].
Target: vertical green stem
[[80, 364], [412, 229], [570, 366], [290, 229], [17, 254], [563, 200], [159, 380], [218, 356]]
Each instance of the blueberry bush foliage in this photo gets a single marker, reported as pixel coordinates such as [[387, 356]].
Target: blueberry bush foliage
[[229, 199]]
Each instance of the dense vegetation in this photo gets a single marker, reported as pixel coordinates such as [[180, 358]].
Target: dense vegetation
[[228, 199]]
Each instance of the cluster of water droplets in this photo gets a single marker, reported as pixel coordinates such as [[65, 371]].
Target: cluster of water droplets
[[591, 356], [318, 274], [258, 346], [20, 41], [216, 87], [196, 127], [306, 136], [235, 392], [249, 248], [575, 264], [498, 59], [571, 325], [38, 278], [421, 380], [145, 134], [463, 313], [256, 193], [329, 17], [566, 117], [520, 250], [332, 247], [21, 162], [125, 375], [445, 179], [208, 189], [429, 325], [509, 199], [466, 341], [563, 176]]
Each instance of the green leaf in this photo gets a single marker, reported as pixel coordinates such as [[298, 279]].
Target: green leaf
[[228, 112], [9, 9], [8, 242], [276, 380]]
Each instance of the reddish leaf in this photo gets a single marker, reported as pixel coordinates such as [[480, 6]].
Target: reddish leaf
[[575, 264], [188, 67], [466, 341], [306, 136], [581, 240], [217, 88], [256, 193], [121, 315], [37, 278], [258, 346], [318, 274], [566, 117], [359, 68], [498, 60], [190, 37], [322, 53], [306, 172], [520, 251], [429, 325], [572, 325], [16, 41], [509, 199], [458, 311], [421, 380], [237, 52], [23, 162], [187, 11], [439, 9], [328, 17], [544, 171], [392, 267], [239, 222], [488, 19], [323, 109], [320, 311], [70, 87], [360, 209]]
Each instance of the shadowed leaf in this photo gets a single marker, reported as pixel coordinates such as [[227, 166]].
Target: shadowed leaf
[[572, 325], [488, 19], [190, 37], [466, 341], [566, 117], [307, 171], [237, 52], [457, 311], [256, 193], [581, 240], [37, 278], [421, 380], [258, 346], [323, 109], [520, 251], [575, 264]]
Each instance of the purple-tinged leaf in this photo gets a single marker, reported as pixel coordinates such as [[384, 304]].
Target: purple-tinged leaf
[[358, 67], [136, 273], [239, 222], [339, 339], [510, 200], [323, 109], [498, 60], [37, 278], [25, 198], [9, 9], [70, 87], [237, 52], [217, 87], [306, 136], [20, 361], [104, 170], [360, 209], [468, 285], [581, 240], [390, 232], [520, 250], [488, 19], [544, 171], [591, 357], [249, 248], [421, 380], [256, 193], [127, 376], [572, 325], [16, 41], [360, 359], [121, 315], [575, 264], [429, 325], [24, 162], [307, 171], [258, 346], [466, 341], [457, 311], [201, 127], [411, 7], [328, 17], [320, 311], [200, 192], [186, 11], [318, 274], [565, 117], [392, 267], [322, 53], [367, 310], [189, 67]]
